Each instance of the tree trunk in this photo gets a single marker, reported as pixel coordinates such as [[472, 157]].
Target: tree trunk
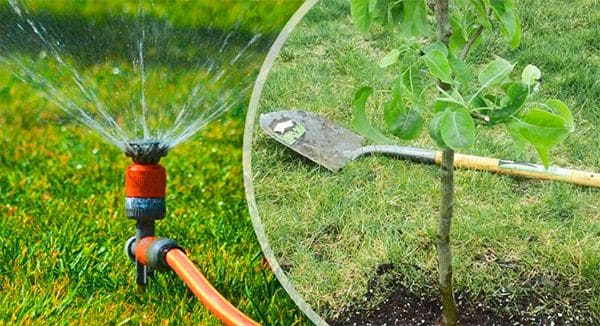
[[444, 30], [449, 311]]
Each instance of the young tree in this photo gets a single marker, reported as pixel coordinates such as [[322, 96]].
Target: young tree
[[462, 101]]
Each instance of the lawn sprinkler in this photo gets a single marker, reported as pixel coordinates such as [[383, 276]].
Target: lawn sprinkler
[[145, 190]]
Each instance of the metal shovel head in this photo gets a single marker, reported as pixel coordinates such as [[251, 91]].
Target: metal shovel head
[[312, 136]]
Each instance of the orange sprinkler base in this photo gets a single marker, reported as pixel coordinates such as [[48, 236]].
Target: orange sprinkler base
[[145, 181]]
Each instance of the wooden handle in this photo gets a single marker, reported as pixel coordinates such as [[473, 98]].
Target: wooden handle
[[527, 170]]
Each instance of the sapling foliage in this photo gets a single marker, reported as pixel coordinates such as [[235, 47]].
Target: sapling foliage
[[435, 79]]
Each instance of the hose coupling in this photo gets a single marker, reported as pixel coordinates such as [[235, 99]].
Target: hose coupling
[[151, 251]]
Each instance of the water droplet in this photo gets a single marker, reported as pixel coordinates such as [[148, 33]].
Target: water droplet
[[116, 71], [79, 166], [221, 203], [95, 151], [189, 175], [214, 150], [43, 55]]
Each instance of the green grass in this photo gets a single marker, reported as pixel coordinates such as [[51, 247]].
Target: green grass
[[63, 227], [512, 238]]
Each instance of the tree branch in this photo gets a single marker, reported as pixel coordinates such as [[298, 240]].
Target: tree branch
[[470, 42], [481, 117]]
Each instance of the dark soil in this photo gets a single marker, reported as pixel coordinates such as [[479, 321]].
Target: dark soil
[[401, 307]]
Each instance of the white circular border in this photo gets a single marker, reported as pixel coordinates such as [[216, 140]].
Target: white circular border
[[247, 162]]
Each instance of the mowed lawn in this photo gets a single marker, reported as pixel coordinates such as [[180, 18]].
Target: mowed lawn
[[520, 246], [62, 221]]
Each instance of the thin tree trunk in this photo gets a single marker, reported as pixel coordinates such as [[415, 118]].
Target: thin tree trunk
[[444, 30], [449, 311]]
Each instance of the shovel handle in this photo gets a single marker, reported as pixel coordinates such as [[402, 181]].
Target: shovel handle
[[401, 152], [527, 170]]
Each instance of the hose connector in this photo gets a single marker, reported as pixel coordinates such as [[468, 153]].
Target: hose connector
[[151, 251]]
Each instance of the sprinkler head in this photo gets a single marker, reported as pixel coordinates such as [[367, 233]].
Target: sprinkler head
[[145, 190], [146, 151]]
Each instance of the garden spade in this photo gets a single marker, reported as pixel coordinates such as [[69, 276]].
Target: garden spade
[[332, 146]]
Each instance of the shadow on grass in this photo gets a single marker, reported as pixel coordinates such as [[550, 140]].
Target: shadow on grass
[[109, 37]]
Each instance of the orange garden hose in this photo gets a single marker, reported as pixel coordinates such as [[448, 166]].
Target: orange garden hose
[[177, 260], [204, 291]]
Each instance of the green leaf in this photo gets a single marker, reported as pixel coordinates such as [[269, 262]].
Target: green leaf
[[414, 21], [403, 122], [438, 65], [396, 112], [516, 39], [542, 127], [390, 59], [456, 43], [543, 130], [396, 12], [409, 124], [449, 101], [480, 102], [462, 72], [511, 25], [360, 14], [379, 11], [563, 111], [482, 15], [437, 45], [360, 122], [518, 140], [457, 97], [531, 74], [492, 99], [443, 103], [458, 129], [457, 40], [396, 104], [516, 95], [435, 130], [495, 72], [544, 153]]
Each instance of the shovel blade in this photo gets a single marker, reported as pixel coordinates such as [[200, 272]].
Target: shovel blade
[[312, 136]]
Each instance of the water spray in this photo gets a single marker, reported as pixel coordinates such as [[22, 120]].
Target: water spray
[[145, 191]]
